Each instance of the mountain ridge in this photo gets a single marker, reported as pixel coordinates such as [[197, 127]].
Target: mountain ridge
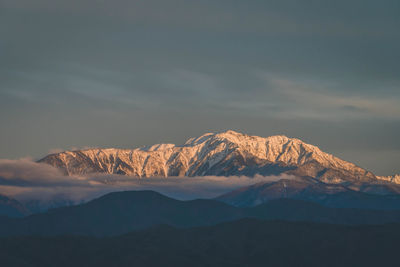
[[383, 196], [391, 178], [122, 212], [221, 154]]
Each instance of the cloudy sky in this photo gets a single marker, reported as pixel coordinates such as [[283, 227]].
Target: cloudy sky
[[96, 73]]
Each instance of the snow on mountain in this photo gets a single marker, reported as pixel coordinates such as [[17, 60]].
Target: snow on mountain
[[222, 154], [392, 178]]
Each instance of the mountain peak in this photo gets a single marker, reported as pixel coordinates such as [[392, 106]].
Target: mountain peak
[[236, 137]]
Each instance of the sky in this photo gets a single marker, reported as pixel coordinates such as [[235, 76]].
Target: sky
[[95, 73]]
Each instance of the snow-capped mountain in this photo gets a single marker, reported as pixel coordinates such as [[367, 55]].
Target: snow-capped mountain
[[222, 154]]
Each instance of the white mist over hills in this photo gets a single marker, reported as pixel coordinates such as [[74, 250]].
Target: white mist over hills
[[218, 154], [41, 186]]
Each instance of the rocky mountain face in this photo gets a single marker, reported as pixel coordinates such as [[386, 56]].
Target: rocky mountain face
[[222, 154]]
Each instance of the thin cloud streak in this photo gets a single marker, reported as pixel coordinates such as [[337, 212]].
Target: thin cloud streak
[[315, 100]]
